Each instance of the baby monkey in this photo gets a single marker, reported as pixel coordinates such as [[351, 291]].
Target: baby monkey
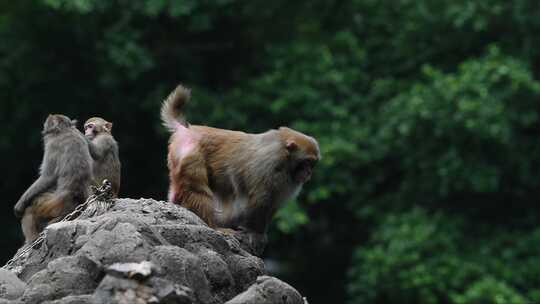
[[233, 179], [64, 181], [104, 151]]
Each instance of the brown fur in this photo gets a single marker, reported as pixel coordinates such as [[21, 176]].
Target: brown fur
[[233, 179], [104, 151]]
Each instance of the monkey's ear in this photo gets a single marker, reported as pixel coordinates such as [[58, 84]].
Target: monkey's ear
[[291, 145], [74, 123], [108, 126]]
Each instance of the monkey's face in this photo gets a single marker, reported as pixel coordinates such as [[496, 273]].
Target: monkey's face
[[302, 169], [90, 130], [95, 126], [304, 155], [57, 122]]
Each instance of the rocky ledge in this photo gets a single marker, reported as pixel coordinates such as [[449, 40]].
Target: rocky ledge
[[142, 251]]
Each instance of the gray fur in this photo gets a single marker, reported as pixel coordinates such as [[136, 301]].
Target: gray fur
[[65, 171], [104, 151]]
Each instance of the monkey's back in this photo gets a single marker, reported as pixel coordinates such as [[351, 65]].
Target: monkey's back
[[246, 173], [69, 151], [109, 167]]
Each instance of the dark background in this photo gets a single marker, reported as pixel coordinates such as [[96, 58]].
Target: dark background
[[427, 113]]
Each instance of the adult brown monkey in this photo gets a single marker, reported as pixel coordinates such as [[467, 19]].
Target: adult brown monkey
[[104, 152], [234, 179], [64, 181]]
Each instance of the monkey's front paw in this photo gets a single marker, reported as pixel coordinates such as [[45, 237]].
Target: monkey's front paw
[[18, 210]]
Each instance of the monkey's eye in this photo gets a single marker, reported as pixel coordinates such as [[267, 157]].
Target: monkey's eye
[[89, 126]]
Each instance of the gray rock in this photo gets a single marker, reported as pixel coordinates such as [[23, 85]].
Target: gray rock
[[268, 290], [119, 290], [137, 271], [4, 301], [11, 287], [184, 268], [65, 276], [142, 251], [166, 292], [83, 299], [252, 242]]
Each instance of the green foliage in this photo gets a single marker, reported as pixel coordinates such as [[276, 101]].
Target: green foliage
[[411, 258], [489, 290], [453, 120], [426, 112], [418, 257], [290, 217]]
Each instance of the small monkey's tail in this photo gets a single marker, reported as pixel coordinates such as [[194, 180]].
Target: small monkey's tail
[[171, 109]]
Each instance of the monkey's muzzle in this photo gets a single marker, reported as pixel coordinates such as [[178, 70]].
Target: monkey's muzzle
[[303, 171]]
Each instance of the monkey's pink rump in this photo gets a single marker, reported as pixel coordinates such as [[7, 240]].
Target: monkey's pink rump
[[186, 141]]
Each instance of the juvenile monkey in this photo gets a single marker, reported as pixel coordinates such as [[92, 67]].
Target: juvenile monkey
[[104, 152], [233, 179], [64, 181]]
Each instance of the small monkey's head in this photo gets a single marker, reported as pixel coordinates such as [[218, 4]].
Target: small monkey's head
[[95, 126], [303, 154], [57, 122]]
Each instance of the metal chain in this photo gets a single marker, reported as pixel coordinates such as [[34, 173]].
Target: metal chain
[[102, 193]]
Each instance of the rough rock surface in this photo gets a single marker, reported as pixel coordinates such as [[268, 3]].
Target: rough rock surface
[[268, 290], [142, 251]]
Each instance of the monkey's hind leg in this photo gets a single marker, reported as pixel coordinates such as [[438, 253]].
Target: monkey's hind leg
[[194, 192], [29, 226], [52, 208], [200, 204], [32, 222]]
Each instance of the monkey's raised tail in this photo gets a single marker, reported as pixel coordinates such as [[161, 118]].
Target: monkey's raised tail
[[171, 109]]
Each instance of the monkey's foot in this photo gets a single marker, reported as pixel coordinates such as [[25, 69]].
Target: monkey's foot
[[246, 239], [230, 237], [251, 241]]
